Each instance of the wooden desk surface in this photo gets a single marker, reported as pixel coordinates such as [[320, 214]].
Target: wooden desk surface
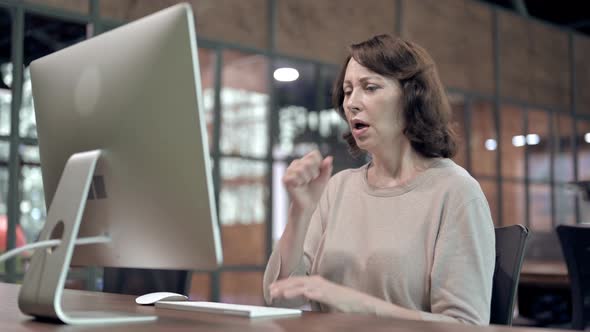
[[544, 273], [11, 319]]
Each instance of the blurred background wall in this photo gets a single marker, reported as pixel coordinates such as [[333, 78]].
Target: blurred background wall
[[518, 87]]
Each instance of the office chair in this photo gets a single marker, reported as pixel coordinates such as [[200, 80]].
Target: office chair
[[510, 244], [142, 281], [575, 243]]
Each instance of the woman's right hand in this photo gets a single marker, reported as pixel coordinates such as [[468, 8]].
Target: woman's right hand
[[305, 180]]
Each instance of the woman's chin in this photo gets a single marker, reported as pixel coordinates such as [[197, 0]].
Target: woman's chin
[[365, 145]]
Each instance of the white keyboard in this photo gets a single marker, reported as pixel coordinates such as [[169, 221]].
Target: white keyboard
[[251, 311]]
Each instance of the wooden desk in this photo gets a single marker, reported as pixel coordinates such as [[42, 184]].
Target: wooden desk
[[11, 319], [544, 273]]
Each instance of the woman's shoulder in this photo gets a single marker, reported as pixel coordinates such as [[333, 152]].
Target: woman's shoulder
[[455, 180], [347, 177]]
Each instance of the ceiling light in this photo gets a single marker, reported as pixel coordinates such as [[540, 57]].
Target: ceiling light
[[533, 139], [286, 74], [491, 144], [518, 140]]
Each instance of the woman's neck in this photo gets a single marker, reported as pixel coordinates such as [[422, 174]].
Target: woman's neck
[[396, 166]]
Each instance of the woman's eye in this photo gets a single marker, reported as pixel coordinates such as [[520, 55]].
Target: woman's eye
[[371, 87]]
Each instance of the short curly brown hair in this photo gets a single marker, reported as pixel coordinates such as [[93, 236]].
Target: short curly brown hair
[[426, 111]]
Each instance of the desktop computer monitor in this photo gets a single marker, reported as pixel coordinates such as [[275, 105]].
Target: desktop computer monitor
[[133, 94]]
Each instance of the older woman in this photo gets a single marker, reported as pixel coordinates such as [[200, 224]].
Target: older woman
[[407, 235]]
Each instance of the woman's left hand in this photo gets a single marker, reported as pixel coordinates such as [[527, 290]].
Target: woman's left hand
[[318, 289]]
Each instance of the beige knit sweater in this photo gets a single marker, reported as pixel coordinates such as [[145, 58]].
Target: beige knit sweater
[[426, 245]]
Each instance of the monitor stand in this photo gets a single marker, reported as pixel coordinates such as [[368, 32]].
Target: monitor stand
[[41, 293]]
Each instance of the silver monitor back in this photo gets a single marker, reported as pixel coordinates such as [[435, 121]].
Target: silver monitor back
[[135, 94]]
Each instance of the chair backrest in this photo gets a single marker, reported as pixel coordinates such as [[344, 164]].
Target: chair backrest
[[575, 243], [510, 245]]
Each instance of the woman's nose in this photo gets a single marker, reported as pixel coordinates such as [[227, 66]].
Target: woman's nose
[[352, 103]]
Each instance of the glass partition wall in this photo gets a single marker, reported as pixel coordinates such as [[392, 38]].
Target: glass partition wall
[[259, 118]]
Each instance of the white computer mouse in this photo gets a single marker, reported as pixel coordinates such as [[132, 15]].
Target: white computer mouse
[[152, 298]]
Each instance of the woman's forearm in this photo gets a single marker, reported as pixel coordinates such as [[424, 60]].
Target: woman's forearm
[[291, 242], [382, 308]]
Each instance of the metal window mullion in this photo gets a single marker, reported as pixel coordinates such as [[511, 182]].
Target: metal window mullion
[[573, 111], [319, 84], [29, 141], [13, 199], [552, 154], [272, 116], [527, 181], [94, 10], [55, 12], [497, 115]]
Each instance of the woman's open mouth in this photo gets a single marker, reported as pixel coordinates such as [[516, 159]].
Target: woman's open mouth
[[359, 127]]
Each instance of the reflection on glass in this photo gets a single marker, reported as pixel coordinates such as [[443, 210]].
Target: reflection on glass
[[3, 217], [538, 145], [4, 152], [3, 194], [331, 126], [565, 197], [484, 139], [301, 92], [244, 125], [29, 154], [302, 130], [43, 36], [280, 200], [540, 207], [306, 119], [5, 70], [458, 108], [32, 204], [5, 101], [241, 287], [207, 69], [243, 200], [583, 145], [490, 189], [243, 191], [513, 141], [244, 105], [27, 125], [563, 157], [297, 132], [513, 203]]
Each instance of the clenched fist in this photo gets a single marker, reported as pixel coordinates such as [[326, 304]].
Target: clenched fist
[[306, 178]]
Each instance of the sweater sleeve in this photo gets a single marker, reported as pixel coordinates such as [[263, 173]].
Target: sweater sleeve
[[463, 266], [311, 244]]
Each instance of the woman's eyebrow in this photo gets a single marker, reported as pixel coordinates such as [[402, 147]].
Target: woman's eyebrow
[[366, 78], [363, 79]]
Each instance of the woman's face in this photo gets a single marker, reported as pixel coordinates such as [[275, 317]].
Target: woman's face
[[372, 104]]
